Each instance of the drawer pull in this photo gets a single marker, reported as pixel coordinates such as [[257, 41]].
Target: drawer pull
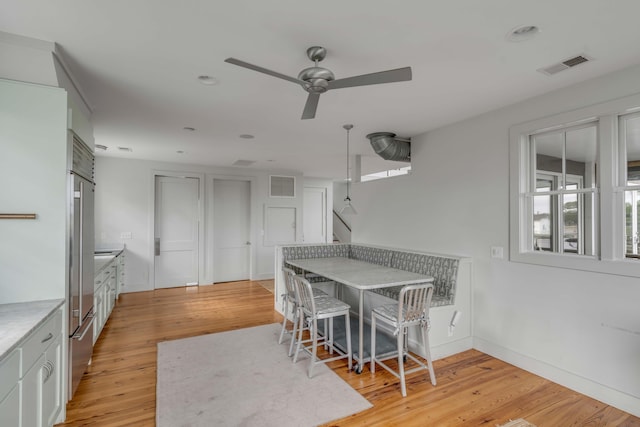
[[47, 338]]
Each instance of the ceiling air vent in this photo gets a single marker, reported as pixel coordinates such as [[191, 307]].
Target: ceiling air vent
[[243, 162], [565, 65]]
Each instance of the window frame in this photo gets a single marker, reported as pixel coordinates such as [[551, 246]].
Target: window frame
[[609, 203]]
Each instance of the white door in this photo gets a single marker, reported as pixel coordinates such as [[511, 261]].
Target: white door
[[315, 215], [231, 228], [176, 231], [279, 225]]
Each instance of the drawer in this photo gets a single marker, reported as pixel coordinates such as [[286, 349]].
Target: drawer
[[40, 340], [102, 277], [9, 372]]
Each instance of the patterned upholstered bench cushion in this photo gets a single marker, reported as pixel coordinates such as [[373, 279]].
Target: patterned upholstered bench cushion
[[369, 254], [394, 293], [443, 269]]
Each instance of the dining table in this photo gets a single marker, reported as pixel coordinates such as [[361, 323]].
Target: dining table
[[361, 276]]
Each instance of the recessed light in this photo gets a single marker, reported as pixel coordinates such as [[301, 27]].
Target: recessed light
[[101, 147], [189, 128], [125, 149], [180, 151], [522, 33], [246, 136], [207, 80]]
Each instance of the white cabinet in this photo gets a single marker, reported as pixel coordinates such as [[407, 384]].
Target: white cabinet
[[10, 390], [119, 273], [107, 284], [31, 378], [10, 407]]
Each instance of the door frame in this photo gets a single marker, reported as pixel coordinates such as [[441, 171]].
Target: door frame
[[201, 220], [210, 229]]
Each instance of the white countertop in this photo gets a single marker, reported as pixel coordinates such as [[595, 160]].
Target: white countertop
[[19, 319], [359, 274]]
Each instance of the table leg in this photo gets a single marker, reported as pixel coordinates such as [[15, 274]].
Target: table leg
[[360, 331]]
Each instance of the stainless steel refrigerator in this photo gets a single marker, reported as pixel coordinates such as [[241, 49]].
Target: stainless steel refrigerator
[[81, 260]]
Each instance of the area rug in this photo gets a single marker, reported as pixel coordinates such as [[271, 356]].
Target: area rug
[[518, 423], [245, 378]]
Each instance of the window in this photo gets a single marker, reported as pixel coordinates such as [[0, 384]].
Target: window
[[575, 189], [563, 168], [386, 174], [630, 158]]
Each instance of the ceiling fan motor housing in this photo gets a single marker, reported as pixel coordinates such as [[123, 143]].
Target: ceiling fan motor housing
[[317, 77]]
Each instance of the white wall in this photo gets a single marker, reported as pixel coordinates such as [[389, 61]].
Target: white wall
[[33, 172], [577, 328], [124, 203]]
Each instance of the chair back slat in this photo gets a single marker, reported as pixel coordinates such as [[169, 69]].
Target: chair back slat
[[304, 294], [414, 302], [288, 281]]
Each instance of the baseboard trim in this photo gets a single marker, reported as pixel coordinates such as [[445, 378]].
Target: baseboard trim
[[443, 350], [618, 399]]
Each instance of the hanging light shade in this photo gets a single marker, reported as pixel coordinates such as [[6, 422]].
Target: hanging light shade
[[348, 208]]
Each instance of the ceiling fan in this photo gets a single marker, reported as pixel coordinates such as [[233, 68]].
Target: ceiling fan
[[317, 80]]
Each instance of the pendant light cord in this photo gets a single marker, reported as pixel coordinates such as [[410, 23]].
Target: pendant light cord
[[348, 129]]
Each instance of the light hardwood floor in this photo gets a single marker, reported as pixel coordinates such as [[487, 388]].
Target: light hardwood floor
[[473, 388]]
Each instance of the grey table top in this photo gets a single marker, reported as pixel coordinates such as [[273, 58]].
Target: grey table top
[[17, 320], [359, 274]]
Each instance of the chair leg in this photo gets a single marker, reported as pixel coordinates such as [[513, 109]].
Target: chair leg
[[401, 361], [347, 322], [314, 347], [296, 314], [373, 343], [299, 343], [284, 321], [427, 353]]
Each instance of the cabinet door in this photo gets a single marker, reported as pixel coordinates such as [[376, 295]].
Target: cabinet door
[[98, 309], [51, 383], [10, 408], [32, 394]]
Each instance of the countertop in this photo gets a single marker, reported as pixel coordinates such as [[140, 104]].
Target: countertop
[[103, 258], [20, 319]]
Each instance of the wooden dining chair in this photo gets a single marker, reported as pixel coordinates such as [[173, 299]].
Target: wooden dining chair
[[412, 309], [311, 310]]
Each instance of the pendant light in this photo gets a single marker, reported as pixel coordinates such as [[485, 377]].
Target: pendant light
[[348, 208]]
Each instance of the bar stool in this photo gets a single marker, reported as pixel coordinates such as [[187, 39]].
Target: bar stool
[[412, 309], [319, 308], [289, 302]]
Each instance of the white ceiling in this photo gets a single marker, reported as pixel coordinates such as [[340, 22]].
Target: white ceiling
[[137, 62]]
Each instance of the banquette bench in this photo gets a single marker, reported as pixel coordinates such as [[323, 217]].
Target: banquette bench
[[443, 269], [452, 287]]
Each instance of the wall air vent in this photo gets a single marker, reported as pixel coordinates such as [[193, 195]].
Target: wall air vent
[[565, 65], [282, 186]]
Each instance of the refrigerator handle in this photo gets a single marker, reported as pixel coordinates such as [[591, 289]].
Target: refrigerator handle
[[79, 336], [156, 246]]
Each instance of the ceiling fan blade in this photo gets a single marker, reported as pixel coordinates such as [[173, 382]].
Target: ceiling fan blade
[[263, 70], [310, 106], [390, 76]]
